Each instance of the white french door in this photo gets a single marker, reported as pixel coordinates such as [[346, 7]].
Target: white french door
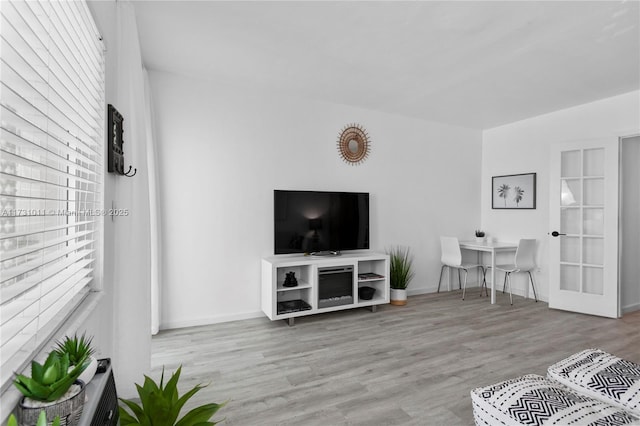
[[583, 239]]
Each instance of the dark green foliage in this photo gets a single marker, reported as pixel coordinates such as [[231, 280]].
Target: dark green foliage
[[78, 348], [401, 268], [160, 405], [50, 381]]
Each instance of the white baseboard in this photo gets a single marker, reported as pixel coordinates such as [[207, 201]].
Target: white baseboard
[[631, 308], [516, 291], [216, 319]]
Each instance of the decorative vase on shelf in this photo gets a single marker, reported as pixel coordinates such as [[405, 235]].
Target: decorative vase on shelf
[[480, 239], [290, 280], [480, 236]]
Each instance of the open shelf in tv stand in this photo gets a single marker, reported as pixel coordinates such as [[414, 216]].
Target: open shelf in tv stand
[[305, 296]]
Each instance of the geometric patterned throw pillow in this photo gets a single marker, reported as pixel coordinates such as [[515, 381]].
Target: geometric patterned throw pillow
[[602, 376], [536, 400]]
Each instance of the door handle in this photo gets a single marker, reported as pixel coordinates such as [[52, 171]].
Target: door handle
[[556, 234]]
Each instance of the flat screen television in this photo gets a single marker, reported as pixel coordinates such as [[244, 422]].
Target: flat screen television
[[320, 222]]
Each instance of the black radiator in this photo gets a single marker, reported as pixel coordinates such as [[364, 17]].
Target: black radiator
[[101, 408]]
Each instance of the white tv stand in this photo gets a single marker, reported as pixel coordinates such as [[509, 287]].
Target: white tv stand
[[286, 303]]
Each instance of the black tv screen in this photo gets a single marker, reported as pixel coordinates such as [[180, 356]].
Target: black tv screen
[[317, 221]]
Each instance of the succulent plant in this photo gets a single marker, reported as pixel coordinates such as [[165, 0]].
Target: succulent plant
[[479, 233], [42, 420], [50, 381], [161, 405], [78, 348]]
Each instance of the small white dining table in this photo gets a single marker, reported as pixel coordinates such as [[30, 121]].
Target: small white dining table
[[493, 248]]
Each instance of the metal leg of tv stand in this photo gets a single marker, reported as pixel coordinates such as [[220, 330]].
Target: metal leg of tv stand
[[290, 322], [373, 308]]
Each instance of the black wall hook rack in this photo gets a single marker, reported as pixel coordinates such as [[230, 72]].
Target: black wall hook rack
[[115, 150]]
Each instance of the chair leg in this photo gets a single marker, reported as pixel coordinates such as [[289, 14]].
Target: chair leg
[[459, 282], [484, 282], [464, 289], [505, 282], [533, 286], [440, 279], [510, 292]]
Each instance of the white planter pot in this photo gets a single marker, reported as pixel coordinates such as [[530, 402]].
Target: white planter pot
[[90, 371], [481, 239], [398, 296]]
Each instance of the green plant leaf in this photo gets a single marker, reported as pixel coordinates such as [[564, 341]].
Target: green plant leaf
[[12, 421], [127, 419], [50, 375], [42, 419], [158, 409], [135, 409], [171, 389], [64, 365], [60, 387], [56, 421], [37, 371], [31, 388], [177, 407], [199, 414]]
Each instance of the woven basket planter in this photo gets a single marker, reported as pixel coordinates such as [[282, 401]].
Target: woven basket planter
[[69, 410]]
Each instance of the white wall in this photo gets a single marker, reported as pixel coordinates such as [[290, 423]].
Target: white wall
[[224, 150], [524, 147]]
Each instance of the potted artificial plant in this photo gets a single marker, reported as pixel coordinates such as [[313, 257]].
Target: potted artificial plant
[[160, 405], [401, 273], [53, 388], [79, 349], [480, 236]]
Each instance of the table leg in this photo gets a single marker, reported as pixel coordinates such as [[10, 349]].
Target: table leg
[[493, 276]]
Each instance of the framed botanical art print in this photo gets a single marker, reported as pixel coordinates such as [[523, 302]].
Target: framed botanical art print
[[514, 191]]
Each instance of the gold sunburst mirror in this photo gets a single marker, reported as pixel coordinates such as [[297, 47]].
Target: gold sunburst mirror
[[354, 144]]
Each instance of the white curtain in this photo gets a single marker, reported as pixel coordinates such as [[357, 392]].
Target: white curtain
[[154, 210], [136, 253]]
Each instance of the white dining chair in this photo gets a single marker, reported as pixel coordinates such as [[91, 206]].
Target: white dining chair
[[524, 262], [452, 259]]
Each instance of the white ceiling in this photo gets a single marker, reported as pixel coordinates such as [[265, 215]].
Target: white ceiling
[[476, 64]]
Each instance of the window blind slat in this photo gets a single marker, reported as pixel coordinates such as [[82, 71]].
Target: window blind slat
[[40, 228], [28, 16], [27, 298], [31, 150], [12, 291], [36, 264], [51, 172], [42, 245]]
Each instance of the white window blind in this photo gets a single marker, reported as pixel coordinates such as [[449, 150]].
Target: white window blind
[[51, 168]]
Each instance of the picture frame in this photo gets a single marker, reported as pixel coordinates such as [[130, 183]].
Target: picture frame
[[516, 192]]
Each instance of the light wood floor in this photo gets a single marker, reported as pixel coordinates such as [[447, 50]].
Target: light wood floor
[[412, 365]]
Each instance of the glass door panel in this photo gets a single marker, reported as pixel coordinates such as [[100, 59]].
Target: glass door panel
[[592, 280], [571, 192], [594, 162], [570, 278], [594, 192], [593, 222], [570, 220], [571, 164]]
